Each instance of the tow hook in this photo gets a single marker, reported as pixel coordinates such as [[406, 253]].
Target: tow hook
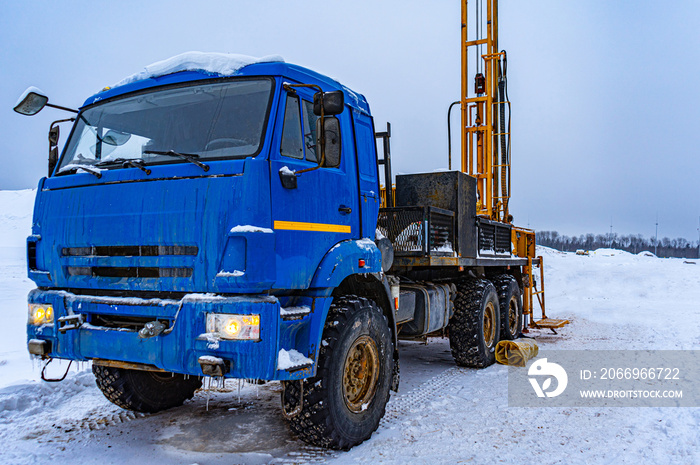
[[300, 402], [151, 329], [66, 323], [54, 380]]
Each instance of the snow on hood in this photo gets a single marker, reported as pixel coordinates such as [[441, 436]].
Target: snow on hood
[[224, 64]]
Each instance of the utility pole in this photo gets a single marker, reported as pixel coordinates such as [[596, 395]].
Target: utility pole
[[611, 236], [656, 238], [698, 236]]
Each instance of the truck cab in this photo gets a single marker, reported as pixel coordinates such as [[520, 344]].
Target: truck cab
[[168, 209]]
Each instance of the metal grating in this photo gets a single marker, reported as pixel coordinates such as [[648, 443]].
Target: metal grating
[[494, 238], [418, 231]]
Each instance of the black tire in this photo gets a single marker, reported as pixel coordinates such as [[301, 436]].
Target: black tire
[[476, 309], [511, 301], [330, 417], [144, 391]]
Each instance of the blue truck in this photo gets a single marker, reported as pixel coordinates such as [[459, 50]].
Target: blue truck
[[229, 223]]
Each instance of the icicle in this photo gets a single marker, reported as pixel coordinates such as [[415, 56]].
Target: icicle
[[208, 391]]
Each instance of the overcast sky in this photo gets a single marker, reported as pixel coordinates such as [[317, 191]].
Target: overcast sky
[[605, 93]]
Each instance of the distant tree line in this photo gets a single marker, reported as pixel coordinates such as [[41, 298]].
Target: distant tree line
[[680, 247]]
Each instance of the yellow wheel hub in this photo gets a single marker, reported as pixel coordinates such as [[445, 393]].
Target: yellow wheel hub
[[513, 315], [361, 374], [489, 324]]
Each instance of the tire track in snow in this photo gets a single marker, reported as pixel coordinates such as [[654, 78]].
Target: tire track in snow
[[427, 392], [92, 423], [397, 408]]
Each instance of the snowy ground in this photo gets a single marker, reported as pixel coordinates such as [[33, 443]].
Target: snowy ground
[[442, 414]]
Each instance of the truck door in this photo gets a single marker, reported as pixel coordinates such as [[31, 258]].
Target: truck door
[[323, 209]]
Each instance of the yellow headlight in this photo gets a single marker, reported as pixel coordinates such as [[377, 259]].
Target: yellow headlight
[[232, 327], [40, 314], [240, 327]]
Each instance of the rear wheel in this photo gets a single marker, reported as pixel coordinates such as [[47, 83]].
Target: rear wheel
[[511, 303], [475, 326], [144, 391], [344, 402]]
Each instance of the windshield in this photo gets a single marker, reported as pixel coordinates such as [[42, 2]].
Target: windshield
[[210, 121]]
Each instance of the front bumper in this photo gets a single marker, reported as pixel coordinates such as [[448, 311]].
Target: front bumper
[[180, 347]]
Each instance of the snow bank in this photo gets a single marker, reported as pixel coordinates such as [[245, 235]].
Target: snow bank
[[605, 252], [221, 64], [37, 397]]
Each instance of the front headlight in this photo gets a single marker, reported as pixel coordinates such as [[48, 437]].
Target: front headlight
[[40, 314], [234, 326]]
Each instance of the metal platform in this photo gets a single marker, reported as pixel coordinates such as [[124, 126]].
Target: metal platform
[[550, 323]]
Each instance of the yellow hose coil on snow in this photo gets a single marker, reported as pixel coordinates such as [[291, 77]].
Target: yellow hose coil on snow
[[516, 353]]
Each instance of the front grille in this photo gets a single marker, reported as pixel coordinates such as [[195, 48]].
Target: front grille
[[131, 323], [129, 272], [129, 250]]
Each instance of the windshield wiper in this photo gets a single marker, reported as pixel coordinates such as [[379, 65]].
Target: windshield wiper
[[76, 167], [125, 162], [190, 157]]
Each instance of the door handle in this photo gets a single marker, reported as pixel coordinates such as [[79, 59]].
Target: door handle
[[345, 210]]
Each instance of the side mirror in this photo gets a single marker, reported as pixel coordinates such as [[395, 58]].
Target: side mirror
[[54, 134], [31, 102], [333, 103], [331, 135]]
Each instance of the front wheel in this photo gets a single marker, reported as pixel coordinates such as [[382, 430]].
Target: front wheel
[[144, 391], [344, 402]]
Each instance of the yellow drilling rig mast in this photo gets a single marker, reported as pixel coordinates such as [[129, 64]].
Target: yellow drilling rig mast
[[486, 111], [485, 125]]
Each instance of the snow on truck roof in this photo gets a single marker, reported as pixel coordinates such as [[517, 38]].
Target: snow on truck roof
[[215, 64], [192, 66]]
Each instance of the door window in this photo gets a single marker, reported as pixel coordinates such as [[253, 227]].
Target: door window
[[292, 145]]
